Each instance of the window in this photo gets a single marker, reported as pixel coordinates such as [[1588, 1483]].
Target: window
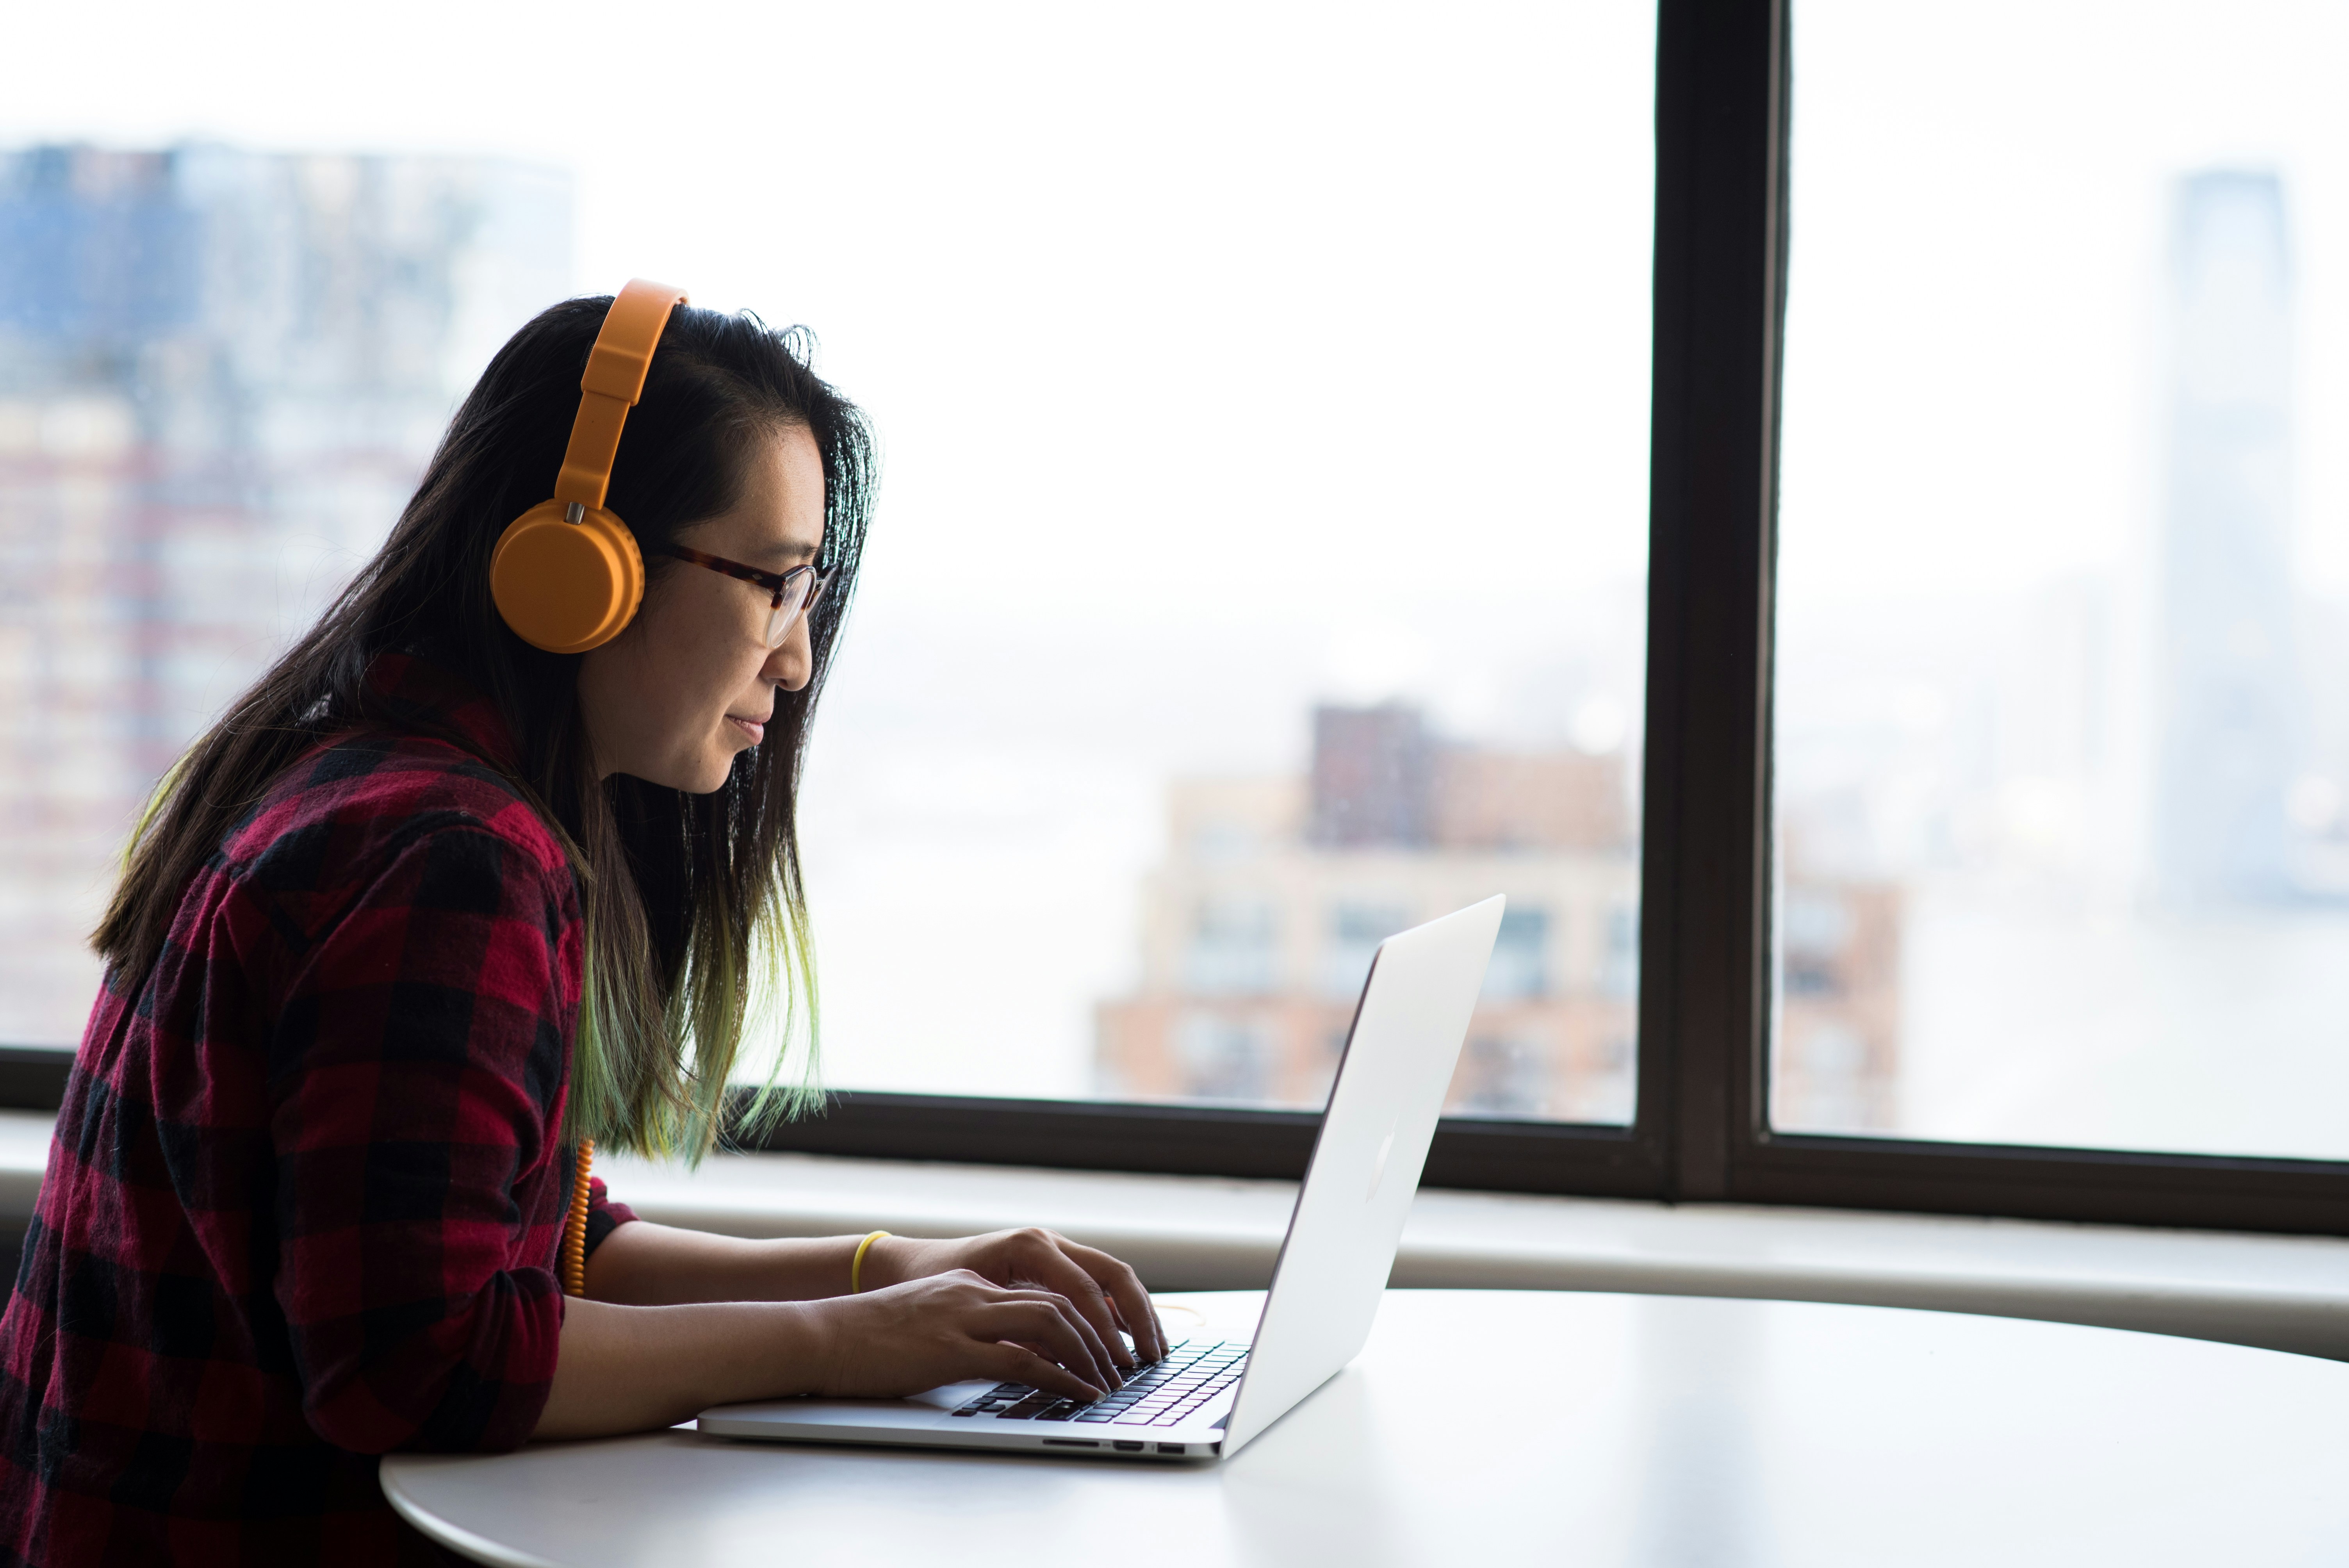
[[1355, 932], [1520, 966], [220, 372], [2063, 715], [1751, 1089], [1306, 648], [1913, 775], [1235, 949], [1224, 1057], [1209, 634]]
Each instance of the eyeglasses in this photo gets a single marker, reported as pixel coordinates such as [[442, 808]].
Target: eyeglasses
[[794, 591]]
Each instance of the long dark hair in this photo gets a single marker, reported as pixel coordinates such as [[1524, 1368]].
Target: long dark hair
[[707, 886]]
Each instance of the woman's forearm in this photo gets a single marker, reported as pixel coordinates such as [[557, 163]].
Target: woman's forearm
[[644, 1264], [675, 1321], [633, 1368]]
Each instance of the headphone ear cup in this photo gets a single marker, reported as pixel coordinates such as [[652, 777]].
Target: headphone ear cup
[[566, 587]]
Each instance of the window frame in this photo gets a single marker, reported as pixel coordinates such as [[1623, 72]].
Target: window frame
[[1701, 1131], [1722, 97]]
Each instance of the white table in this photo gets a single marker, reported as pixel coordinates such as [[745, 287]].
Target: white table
[[1491, 1428]]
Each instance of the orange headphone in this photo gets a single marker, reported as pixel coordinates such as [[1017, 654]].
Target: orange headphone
[[567, 576]]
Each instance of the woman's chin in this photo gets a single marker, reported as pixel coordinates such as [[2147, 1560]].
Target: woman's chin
[[704, 775]]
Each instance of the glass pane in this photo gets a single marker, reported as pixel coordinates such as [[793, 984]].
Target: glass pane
[[1259, 566], [220, 374], [2064, 625]]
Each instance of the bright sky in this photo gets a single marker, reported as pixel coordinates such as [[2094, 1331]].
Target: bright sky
[[1313, 291], [1980, 209], [1348, 285]]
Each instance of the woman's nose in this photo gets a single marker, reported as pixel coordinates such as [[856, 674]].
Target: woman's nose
[[791, 664]]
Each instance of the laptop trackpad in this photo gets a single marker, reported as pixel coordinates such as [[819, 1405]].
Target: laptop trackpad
[[950, 1396]]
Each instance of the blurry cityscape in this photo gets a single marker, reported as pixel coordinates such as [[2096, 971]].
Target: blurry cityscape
[[2077, 853], [2112, 802], [2054, 862], [1257, 931], [220, 374]]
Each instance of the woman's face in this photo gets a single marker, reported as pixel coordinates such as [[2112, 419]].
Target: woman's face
[[691, 683]]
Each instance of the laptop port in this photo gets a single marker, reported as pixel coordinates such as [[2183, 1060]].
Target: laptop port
[[1171, 1448], [1125, 1448], [1071, 1443]]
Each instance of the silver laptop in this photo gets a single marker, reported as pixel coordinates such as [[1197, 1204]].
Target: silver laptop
[[1208, 1398]]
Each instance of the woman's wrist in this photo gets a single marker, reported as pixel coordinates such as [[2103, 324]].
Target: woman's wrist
[[630, 1368], [887, 1261], [791, 1350], [806, 1341]]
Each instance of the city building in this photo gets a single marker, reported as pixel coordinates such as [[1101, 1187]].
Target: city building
[[1259, 927], [2230, 703], [221, 373], [1835, 1064]]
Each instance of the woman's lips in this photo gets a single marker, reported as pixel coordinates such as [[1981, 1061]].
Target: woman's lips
[[750, 727]]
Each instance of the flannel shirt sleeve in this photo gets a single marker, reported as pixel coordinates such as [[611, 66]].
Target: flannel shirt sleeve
[[416, 1072], [603, 1216]]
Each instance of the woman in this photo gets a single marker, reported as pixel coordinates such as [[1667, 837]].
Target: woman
[[425, 909]]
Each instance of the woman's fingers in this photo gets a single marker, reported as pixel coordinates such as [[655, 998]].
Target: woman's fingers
[[1051, 1261], [1101, 1360], [1111, 1287], [958, 1325], [1124, 1288], [1104, 1291], [1009, 1363], [1051, 1327]]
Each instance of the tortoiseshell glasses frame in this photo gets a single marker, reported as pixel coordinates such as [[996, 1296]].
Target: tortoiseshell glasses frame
[[793, 592]]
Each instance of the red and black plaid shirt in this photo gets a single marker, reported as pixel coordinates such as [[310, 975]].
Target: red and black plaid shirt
[[303, 1198]]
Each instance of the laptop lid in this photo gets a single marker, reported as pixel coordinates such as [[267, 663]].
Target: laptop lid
[[1398, 1063]]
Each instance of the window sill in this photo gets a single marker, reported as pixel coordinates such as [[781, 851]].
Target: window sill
[[2279, 1293]]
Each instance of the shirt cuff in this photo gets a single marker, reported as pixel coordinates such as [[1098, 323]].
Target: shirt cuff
[[603, 1216]]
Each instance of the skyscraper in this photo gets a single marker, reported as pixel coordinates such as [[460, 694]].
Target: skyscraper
[[2228, 696], [220, 374]]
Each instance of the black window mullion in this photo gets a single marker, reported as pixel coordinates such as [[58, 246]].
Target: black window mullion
[[1719, 170]]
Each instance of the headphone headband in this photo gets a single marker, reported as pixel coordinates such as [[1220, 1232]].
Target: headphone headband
[[615, 379]]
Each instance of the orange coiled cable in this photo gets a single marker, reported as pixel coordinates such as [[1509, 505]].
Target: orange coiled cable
[[574, 1225]]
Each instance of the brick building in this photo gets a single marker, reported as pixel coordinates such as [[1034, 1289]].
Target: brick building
[[1259, 927]]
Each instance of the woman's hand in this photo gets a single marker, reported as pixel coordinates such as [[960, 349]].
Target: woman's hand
[[634, 1369], [952, 1327], [1106, 1295], [678, 1321]]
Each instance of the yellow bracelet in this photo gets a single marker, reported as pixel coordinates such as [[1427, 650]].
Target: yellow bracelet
[[856, 1264]]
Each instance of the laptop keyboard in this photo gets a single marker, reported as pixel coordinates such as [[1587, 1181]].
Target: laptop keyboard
[[1157, 1395]]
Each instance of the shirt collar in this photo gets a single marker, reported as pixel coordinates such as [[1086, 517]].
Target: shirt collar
[[408, 692]]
